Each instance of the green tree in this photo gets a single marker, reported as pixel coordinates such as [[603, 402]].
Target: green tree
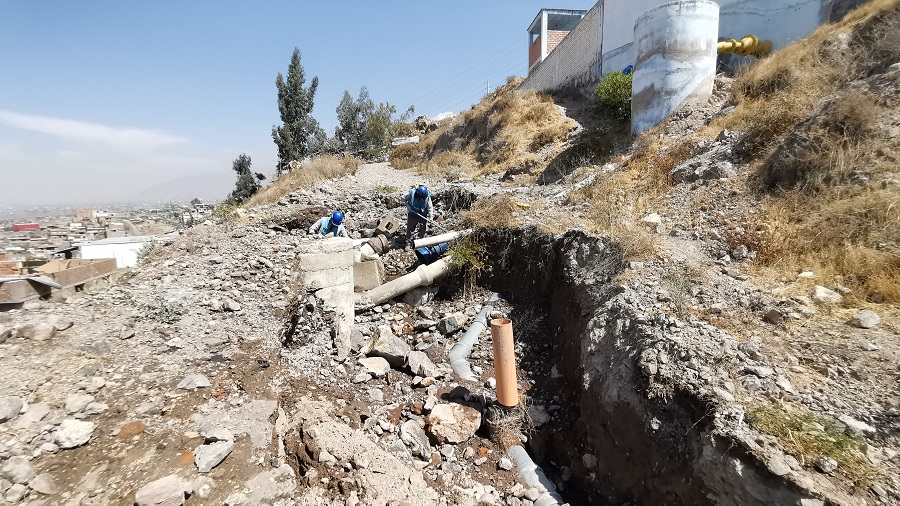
[[613, 95], [247, 182], [299, 134], [364, 126]]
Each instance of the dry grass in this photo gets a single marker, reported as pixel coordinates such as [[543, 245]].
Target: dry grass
[[822, 154], [406, 156], [502, 131], [499, 210], [448, 165], [311, 172]]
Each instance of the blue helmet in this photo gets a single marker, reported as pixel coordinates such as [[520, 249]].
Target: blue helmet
[[421, 192], [337, 217]]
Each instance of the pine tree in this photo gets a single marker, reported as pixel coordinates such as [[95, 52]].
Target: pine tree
[[299, 134], [247, 182]]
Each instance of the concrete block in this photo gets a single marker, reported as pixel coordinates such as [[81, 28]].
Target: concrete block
[[323, 261], [387, 226], [368, 274], [316, 280], [333, 245]]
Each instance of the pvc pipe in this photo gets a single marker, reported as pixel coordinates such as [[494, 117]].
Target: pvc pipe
[[424, 275], [504, 362], [437, 239], [534, 477], [460, 352]]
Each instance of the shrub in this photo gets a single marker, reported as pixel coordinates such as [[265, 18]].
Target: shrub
[[613, 95]]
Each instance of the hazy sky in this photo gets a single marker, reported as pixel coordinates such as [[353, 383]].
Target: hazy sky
[[102, 99]]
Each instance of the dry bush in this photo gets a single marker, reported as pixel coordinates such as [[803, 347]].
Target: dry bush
[[448, 165], [310, 172], [406, 156], [655, 160], [502, 130], [499, 210]]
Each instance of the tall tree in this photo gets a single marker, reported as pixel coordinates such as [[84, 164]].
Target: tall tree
[[299, 132], [364, 125], [247, 182]]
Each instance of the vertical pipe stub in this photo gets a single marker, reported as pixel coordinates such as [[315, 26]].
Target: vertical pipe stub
[[504, 362]]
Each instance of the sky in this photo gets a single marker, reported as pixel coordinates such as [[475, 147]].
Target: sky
[[101, 100]]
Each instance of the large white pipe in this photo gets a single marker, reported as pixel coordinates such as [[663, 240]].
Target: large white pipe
[[438, 239], [675, 66], [534, 477], [424, 275], [459, 354]]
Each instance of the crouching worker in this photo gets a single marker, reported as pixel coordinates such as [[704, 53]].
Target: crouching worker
[[330, 225], [419, 212]]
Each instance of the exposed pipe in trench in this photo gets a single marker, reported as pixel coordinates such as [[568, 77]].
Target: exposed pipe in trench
[[437, 239], [534, 477], [459, 354], [424, 275]]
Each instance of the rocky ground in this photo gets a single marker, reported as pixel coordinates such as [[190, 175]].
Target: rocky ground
[[174, 385]]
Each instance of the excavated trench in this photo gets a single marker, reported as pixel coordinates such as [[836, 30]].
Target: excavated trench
[[608, 442]]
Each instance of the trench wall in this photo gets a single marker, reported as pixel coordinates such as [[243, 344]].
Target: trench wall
[[649, 448]]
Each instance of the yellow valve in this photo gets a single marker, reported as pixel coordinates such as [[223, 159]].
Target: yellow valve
[[748, 45]]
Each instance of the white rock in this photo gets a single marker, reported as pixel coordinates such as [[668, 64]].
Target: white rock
[[505, 464], [207, 457], [95, 408], [377, 366], [74, 433], [37, 331], [76, 402], [866, 319], [44, 484], [168, 491], [856, 426], [822, 295], [17, 470], [16, 493], [453, 423], [420, 364], [194, 381], [10, 407]]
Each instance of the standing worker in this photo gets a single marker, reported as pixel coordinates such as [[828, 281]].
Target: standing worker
[[419, 212], [330, 225]]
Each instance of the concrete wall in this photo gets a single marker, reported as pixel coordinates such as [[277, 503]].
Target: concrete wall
[[611, 24], [574, 59]]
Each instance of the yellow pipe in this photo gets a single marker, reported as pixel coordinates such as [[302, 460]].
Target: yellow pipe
[[748, 45]]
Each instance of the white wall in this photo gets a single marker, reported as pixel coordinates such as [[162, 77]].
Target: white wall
[[126, 254], [575, 59]]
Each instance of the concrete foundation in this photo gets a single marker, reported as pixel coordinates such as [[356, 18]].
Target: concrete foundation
[[676, 60], [327, 270], [369, 274]]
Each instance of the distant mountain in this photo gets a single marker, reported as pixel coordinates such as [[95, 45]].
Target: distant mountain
[[210, 186]]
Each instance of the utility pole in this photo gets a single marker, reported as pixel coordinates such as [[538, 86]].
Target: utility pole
[[487, 87]]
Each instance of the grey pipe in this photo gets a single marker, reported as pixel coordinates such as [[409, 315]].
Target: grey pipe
[[459, 354], [534, 477], [437, 239]]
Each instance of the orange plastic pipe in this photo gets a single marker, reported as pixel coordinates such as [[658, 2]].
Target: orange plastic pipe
[[504, 362]]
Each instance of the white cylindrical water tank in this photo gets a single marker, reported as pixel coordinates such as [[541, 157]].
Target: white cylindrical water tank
[[675, 66]]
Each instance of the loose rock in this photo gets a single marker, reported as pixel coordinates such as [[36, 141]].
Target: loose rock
[[453, 423], [74, 433], [194, 381], [10, 407], [207, 457], [866, 319], [168, 491]]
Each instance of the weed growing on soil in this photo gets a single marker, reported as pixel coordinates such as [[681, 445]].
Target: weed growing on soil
[[613, 95], [224, 213], [810, 437], [159, 309], [467, 255], [677, 283]]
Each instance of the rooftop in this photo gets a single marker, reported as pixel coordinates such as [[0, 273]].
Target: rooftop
[[557, 19]]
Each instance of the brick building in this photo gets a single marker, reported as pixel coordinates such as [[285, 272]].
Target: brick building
[[548, 29]]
